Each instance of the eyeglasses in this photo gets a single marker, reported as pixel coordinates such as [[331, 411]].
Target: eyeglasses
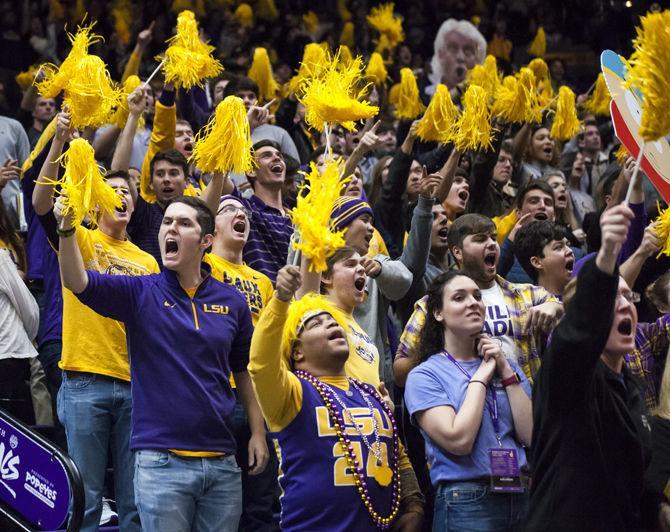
[[631, 297], [232, 209]]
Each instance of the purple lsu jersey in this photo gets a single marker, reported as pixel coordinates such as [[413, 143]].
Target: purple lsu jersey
[[318, 489]]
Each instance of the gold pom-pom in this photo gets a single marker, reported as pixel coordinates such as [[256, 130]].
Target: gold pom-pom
[[123, 20], [621, 154], [333, 96], [311, 21], [90, 95], [299, 312], [599, 101], [388, 25], [566, 124], [538, 47], [57, 77], [517, 99], [314, 58], [376, 71], [86, 190], [26, 78], [343, 10], [311, 215], [650, 64], [188, 60], [437, 124], [662, 229], [120, 116], [267, 10], [224, 144], [486, 76], [345, 54], [473, 129], [409, 103], [261, 72], [347, 35], [539, 68], [244, 15]]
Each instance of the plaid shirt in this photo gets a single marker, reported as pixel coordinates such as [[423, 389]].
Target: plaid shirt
[[652, 341], [519, 298]]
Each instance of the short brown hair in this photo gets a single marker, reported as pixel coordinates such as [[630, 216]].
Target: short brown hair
[[468, 224]]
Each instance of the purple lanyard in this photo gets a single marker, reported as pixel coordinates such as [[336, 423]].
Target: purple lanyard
[[492, 407]]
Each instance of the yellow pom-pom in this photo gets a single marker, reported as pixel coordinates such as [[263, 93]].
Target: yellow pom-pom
[[261, 72], [345, 54], [486, 76], [343, 10], [26, 78], [311, 215], [311, 22], [188, 60], [517, 99], [621, 154], [83, 184], [299, 312], [388, 25], [123, 20], [437, 124], [539, 68], [120, 116], [57, 77], [347, 35], [538, 47], [566, 124], [599, 101], [650, 64], [266, 10], [662, 229], [224, 144], [90, 95], [473, 129], [245, 15], [333, 96], [409, 104], [376, 71], [314, 59]]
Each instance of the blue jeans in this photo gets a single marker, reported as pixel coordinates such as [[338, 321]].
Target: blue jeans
[[468, 506], [175, 494], [95, 412]]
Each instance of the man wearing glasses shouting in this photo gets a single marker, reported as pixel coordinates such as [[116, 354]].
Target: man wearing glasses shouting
[[233, 224]]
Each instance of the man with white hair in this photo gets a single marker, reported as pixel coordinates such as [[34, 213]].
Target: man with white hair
[[458, 47]]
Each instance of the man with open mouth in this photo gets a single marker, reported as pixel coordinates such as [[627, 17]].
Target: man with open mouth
[[591, 435], [544, 253], [232, 225], [186, 334], [535, 203], [166, 172], [516, 314]]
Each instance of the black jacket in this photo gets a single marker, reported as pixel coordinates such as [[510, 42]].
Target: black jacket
[[590, 436]]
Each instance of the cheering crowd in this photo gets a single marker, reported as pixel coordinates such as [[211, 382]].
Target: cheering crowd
[[478, 342]]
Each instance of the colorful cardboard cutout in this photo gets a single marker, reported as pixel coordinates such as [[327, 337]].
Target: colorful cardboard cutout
[[626, 111]]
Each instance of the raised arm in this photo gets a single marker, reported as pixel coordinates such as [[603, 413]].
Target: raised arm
[[43, 193], [213, 191], [369, 142], [133, 65], [72, 269], [447, 172], [137, 104], [278, 391], [650, 245]]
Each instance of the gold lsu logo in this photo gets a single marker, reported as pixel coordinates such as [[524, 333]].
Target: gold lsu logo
[[215, 309]]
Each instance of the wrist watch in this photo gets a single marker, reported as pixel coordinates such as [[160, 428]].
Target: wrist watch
[[510, 381]]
